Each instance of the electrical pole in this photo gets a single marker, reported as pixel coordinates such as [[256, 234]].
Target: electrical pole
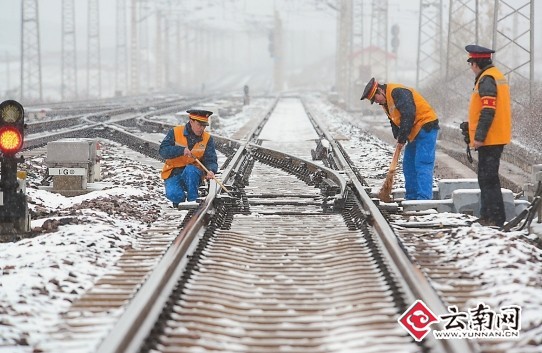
[[167, 52], [429, 61], [121, 50], [134, 50], [30, 52], [513, 40], [355, 70], [378, 60], [144, 52], [462, 30], [177, 62], [158, 65], [278, 55], [344, 51], [69, 59], [94, 72]]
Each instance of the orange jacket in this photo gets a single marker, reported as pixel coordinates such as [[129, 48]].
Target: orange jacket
[[182, 161], [424, 111], [500, 131]]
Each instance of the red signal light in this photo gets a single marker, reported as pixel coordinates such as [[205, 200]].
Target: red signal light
[[11, 140], [11, 127]]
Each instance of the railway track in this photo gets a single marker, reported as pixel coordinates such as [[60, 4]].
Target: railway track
[[287, 276], [278, 267], [298, 260]]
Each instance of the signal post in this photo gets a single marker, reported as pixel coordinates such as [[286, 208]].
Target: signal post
[[14, 215]]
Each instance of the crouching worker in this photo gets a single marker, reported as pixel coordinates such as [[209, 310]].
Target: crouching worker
[[182, 145]]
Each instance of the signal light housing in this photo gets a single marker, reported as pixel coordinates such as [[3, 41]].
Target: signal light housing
[[11, 140], [11, 127]]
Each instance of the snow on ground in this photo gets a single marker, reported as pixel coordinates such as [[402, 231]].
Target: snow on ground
[[77, 239]]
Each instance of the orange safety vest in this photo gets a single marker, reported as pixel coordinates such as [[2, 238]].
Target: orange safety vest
[[182, 161], [424, 112], [500, 131]]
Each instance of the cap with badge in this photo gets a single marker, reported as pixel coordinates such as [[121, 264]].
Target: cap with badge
[[200, 115], [478, 52], [370, 90]]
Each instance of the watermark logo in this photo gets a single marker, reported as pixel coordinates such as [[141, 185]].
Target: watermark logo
[[417, 319], [477, 322]]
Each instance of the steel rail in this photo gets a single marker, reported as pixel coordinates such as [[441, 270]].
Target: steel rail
[[133, 326], [75, 116], [69, 128], [140, 315], [416, 281], [146, 306]]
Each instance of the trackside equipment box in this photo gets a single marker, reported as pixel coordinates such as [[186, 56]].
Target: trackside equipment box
[[71, 163]]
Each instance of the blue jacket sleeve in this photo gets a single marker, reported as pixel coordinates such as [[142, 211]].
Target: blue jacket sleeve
[[210, 160], [168, 149], [404, 102]]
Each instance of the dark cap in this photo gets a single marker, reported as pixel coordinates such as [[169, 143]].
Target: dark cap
[[478, 52], [200, 115], [370, 90]]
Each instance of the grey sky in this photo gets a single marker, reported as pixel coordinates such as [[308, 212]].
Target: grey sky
[[312, 16]]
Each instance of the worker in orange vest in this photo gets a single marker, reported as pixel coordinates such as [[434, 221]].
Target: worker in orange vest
[[490, 128], [181, 173], [414, 123]]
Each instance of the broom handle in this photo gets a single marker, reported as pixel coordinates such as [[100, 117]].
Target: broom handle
[[215, 178], [206, 170], [384, 192], [395, 159]]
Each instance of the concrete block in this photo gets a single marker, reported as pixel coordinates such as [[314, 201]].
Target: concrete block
[[69, 182], [68, 151], [467, 201], [422, 205], [528, 190], [447, 186], [521, 205], [75, 153], [399, 193], [70, 193], [537, 168], [509, 204]]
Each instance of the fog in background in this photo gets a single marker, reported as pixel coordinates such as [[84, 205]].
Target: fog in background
[[235, 46]]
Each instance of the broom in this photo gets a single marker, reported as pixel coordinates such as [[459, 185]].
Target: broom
[[215, 178], [385, 190], [207, 171]]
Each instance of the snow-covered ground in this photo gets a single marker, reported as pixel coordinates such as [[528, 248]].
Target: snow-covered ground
[[79, 238]]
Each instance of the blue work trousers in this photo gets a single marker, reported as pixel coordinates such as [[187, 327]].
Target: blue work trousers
[[184, 186], [418, 165]]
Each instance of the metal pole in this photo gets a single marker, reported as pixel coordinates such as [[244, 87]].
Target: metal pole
[[418, 64], [531, 77]]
